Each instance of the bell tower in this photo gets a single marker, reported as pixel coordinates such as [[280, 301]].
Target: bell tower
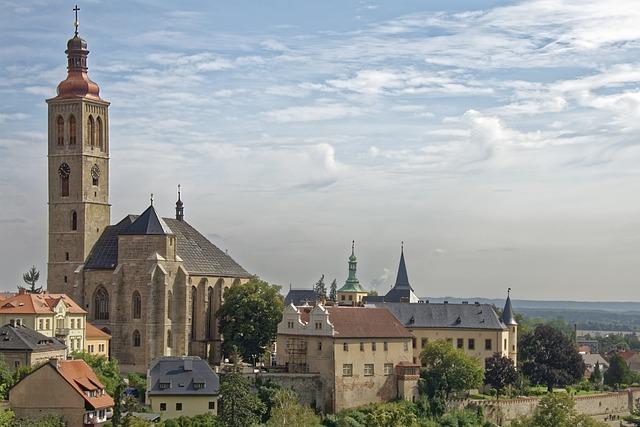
[[78, 163]]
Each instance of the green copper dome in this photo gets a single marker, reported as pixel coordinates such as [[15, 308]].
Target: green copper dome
[[352, 284]]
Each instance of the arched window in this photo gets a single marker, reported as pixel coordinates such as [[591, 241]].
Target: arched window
[[99, 132], [91, 131], [194, 297], [136, 305], [169, 305], [60, 130], [72, 130], [101, 304], [74, 220], [169, 338], [210, 315], [136, 338]]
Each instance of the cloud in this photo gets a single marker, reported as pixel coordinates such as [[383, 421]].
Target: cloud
[[310, 113], [9, 117], [273, 45]]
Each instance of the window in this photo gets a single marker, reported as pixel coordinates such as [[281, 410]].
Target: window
[[101, 348], [66, 256], [460, 343], [373, 346], [169, 338], [505, 343], [101, 304], [91, 130], [136, 338], [169, 304], [385, 346], [194, 304], [341, 297], [347, 370], [99, 132], [361, 346], [211, 327], [72, 130], [16, 363], [318, 325], [388, 368], [178, 406], [212, 405], [319, 345], [136, 305], [290, 325], [350, 297], [60, 130], [79, 323], [345, 347], [472, 344], [368, 369], [487, 344], [90, 348], [164, 385], [424, 342], [40, 324], [72, 324], [47, 324], [74, 220], [406, 346], [413, 342], [198, 386], [163, 406]]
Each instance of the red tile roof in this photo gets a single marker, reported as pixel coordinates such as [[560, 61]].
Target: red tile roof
[[361, 322], [95, 333], [82, 378], [44, 303]]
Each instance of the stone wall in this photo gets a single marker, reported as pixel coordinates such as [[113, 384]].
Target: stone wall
[[600, 406], [308, 387]]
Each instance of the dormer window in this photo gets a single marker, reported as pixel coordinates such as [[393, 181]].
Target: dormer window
[[198, 385], [318, 325], [164, 386], [290, 324]]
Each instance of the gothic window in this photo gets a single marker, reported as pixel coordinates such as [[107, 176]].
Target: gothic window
[[60, 130], [74, 220], [72, 130], [136, 338], [91, 131], [169, 305], [136, 305], [169, 338], [194, 296], [99, 132], [210, 314], [64, 171], [95, 174], [101, 304]]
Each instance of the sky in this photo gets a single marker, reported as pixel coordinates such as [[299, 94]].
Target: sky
[[499, 140]]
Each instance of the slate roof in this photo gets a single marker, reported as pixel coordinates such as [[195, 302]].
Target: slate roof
[[171, 370], [22, 338], [508, 317], [148, 223], [457, 316], [300, 297], [199, 255]]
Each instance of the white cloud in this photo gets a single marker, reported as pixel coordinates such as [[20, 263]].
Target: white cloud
[[310, 113]]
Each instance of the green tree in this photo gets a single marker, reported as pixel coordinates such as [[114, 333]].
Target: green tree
[[447, 370], [320, 289], [249, 317], [633, 419], [550, 358], [618, 372], [203, 420], [333, 290], [31, 278], [596, 375], [287, 411], [46, 421], [500, 373], [556, 410], [107, 371], [6, 418], [6, 381], [240, 407]]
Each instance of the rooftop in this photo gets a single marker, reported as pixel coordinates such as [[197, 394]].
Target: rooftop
[[95, 333], [187, 375], [300, 297], [44, 303], [22, 338], [82, 378]]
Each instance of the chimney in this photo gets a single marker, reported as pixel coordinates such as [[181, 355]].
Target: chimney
[[22, 291], [188, 364], [55, 362]]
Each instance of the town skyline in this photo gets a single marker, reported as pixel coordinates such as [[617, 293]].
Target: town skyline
[[297, 131]]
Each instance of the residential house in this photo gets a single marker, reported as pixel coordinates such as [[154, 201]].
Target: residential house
[[362, 355], [97, 341], [69, 389], [53, 315], [590, 360], [22, 346], [178, 386]]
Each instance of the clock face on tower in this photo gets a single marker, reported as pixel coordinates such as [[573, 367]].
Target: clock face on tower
[[64, 170], [95, 172]]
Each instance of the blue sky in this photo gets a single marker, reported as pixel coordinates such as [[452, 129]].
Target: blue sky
[[498, 139]]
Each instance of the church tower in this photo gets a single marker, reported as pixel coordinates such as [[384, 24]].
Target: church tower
[[78, 162]]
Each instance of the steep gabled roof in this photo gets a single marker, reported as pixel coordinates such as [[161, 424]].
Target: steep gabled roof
[[22, 338], [82, 378], [44, 303], [149, 222], [359, 322], [508, 318], [92, 332], [300, 297]]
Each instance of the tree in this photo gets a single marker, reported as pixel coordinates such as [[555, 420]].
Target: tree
[[634, 418], [107, 371], [446, 370], [618, 372], [333, 290], [287, 411], [6, 418], [556, 410], [31, 278], [202, 420], [240, 407], [596, 375], [500, 373], [249, 317], [548, 357], [320, 289]]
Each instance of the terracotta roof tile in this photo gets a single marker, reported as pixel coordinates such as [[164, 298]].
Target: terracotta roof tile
[[26, 303], [81, 377], [95, 333], [361, 322]]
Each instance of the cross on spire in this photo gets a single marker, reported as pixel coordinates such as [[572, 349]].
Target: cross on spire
[[76, 23], [151, 199], [178, 191]]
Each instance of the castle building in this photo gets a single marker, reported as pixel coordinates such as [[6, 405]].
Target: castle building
[[152, 283]]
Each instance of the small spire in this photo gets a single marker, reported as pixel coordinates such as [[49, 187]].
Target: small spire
[[76, 23], [151, 198], [353, 246], [508, 292], [402, 246], [179, 206]]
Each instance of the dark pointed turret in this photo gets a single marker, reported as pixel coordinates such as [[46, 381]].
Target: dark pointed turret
[[508, 318], [149, 222], [179, 207], [402, 290], [402, 278]]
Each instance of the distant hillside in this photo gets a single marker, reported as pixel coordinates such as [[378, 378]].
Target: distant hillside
[[520, 304]]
